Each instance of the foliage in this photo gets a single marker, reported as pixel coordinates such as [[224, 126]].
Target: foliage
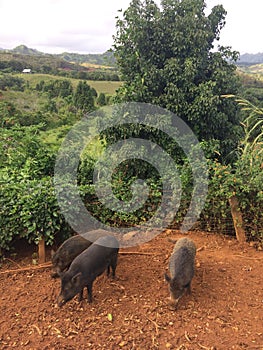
[[244, 178], [12, 62], [56, 88], [101, 100], [254, 95], [102, 66], [8, 81], [23, 151], [165, 57], [106, 58], [8, 114], [29, 210], [84, 97], [28, 203]]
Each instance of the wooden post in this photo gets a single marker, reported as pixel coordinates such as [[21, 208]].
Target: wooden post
[[237, 219], [41, 251]]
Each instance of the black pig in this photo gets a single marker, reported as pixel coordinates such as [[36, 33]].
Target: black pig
[[181, 268], [71, 248], [87, 266]]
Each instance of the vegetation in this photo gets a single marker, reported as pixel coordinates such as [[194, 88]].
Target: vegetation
[[243, 179], [85, 67], [165, 58]]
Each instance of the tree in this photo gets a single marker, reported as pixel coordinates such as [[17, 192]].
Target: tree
[[165, 57], [101, 100], [83, 98]]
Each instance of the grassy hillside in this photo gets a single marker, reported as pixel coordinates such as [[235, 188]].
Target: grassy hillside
[[33, 106], [23, 57], [107, 87], [24, 100], [38, 63], [256, 69]]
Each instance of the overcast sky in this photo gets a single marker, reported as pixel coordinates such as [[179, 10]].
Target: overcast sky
[[55, 26]]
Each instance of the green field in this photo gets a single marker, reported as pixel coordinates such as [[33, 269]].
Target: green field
[[253, 70], [107, 87]]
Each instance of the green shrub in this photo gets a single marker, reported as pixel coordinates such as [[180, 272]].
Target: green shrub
[[243, 179], [29, 209]]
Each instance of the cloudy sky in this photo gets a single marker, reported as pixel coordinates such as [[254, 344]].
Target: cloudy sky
[[55, 26]]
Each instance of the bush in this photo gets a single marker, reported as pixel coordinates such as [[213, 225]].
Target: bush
[[243, 179], [29, 210], [7, 81]]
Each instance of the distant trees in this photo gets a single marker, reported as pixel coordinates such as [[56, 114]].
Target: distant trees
[[56, 88], [61, 65], [9, 82]]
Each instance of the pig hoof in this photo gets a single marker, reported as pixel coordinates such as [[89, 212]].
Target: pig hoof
[[54, 275]]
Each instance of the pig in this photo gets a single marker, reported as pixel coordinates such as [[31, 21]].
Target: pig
[[87, 266], [71, 248], [181, 268]]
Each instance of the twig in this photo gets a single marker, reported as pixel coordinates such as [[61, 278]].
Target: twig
[[186, 337], [156, 325], [119, 286], [248, 257], [38, 330], [29, 268], [200, 248], [12, 261], [137, 253], [172, 240]]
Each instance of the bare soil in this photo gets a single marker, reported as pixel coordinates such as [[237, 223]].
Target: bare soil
[[225, 310]]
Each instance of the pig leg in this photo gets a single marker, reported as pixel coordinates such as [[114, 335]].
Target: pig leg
[[89, 288], [113, 267], [81, 295], [108, 270], [54, 275], [188, 288]]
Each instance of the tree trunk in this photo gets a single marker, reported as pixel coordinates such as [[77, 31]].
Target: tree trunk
[[237, 219]]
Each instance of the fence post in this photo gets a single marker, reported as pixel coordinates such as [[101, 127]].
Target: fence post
[[41, 251], [237, 219]]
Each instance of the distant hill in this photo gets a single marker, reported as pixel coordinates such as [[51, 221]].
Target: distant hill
[[108, 59], [41, 63], [105, 59], [250, 59], [24, 50]]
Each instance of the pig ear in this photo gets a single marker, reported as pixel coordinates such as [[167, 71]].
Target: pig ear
[[167, 278], [75, 279]]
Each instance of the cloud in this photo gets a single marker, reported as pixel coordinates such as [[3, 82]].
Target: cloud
[[243, 24], [88, 26], [71, 25]]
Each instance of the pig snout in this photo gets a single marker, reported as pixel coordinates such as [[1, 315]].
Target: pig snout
[[60, 301]]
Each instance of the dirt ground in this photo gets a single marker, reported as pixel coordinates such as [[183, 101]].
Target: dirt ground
[[225, 310]]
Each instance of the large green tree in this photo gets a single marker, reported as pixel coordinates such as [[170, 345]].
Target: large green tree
[[83, 98], [166, 56]]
